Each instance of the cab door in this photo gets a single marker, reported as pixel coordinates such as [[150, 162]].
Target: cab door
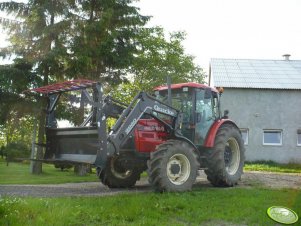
[[204, 114]]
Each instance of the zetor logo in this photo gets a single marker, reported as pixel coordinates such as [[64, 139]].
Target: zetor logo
[[130, 127], [163, 110]]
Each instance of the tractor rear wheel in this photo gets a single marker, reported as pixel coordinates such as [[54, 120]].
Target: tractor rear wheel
[[173, 166], [226, 161], [118, 175]]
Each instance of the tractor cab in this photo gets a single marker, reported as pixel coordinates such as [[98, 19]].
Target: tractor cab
[[199, 104]]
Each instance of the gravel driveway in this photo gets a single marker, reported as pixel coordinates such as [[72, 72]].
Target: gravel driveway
[[249, 179]]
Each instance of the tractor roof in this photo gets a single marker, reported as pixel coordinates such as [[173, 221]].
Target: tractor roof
[[63, 86], [188, 84]]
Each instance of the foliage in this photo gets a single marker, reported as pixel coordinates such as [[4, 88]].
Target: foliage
[[15, 150], [2, 151], [35, 37], [160, 57], [67, 39], [38, 37], [124, 92], [103, 42], [9, 207], [14, 79], [15, 109], [156, 59], [270, 166], [206, 206], [18, 129]]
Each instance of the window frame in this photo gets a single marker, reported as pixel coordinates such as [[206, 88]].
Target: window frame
[[273, 130], [246, 142]]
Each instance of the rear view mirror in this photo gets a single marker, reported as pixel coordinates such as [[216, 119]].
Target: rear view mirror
[[226, 113]]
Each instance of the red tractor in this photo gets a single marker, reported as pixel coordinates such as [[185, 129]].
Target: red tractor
[[172, 133]]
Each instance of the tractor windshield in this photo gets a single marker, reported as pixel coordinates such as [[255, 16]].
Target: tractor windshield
[[180, 100]]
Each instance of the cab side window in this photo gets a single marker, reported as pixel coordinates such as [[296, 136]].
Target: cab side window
[[205, 116], [204, 106]]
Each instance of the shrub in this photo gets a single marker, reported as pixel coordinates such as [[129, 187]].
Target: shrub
[[63, 166], [2, 148], [16, 150]]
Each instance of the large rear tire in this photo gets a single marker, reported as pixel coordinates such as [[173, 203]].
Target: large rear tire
[[116, 175], [173, 166], [225, 161]]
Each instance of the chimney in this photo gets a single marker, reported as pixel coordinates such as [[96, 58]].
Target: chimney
[[286, 56]]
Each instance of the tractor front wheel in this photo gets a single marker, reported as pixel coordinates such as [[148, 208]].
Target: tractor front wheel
[[173, 166], [118, 175], [225, 161]]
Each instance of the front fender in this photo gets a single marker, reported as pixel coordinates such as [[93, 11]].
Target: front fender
[[210, 138]]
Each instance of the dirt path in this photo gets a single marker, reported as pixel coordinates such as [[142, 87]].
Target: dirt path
[[69, 189], [249, 179], [272, 180]]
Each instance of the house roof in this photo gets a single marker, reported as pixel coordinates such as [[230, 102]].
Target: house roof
[[257, 74]]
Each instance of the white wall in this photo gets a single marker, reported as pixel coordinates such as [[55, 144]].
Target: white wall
[[258, 109]]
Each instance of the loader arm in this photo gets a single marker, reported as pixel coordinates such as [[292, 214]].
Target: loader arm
[[90, 142], [142, 104]]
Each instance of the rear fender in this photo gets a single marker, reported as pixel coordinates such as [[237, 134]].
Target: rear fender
[[210, 138], [190, 143]]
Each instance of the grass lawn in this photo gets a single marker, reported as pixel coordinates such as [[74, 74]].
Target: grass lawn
[[206, 206], [203, 206], [18, 173], [270, 166]]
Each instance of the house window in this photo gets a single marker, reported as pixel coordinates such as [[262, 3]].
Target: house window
[[272, 137], [299, 137], [245, 135]]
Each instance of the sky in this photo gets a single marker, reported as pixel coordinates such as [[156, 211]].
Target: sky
[[242, 29]]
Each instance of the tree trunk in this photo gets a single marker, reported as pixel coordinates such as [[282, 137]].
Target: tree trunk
[[82, 169], [37, 165], [33, 145]]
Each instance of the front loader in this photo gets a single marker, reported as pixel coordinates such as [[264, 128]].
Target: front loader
[[171, 134]]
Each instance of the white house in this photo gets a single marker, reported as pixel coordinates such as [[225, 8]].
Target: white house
[[264, 99]]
